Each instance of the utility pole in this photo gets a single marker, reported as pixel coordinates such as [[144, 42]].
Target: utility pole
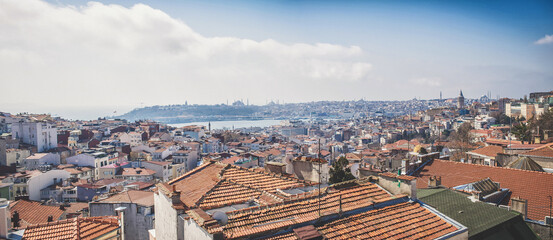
[[550, 203], [320, 163]]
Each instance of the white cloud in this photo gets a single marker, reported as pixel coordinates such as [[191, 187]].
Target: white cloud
[[545, 40], [112, 55], [430, 82]]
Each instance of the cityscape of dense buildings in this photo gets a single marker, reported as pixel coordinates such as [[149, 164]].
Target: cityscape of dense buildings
[[435, 169]]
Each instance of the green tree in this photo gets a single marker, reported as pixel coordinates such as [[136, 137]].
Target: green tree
[[460, 140], [522, 132], [541, 123], [340, 171]]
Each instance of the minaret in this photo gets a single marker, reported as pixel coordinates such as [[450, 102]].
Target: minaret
[[461, 100]]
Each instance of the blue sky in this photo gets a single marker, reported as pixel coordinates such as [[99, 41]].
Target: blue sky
[[371, 49]]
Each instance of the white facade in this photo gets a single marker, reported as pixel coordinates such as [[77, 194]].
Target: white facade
[[132, 138], [37, 160], [162, 169], [81, 160], [38, 182], [43, 135], [166, 223]]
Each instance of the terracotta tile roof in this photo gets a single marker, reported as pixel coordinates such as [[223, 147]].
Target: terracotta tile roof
[[194, 184], [75, 228], [227, 193], [261, 180], [214, 185], [142, 185], [76, 207], [531, 185], [393, 175], [137, 171], [143, 198], [400, 221], [260, 220], [286, 236], [490, 151], [543, 151], [31, 212], [501, 141]]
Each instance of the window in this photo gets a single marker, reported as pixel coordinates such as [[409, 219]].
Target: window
[[548, 220]]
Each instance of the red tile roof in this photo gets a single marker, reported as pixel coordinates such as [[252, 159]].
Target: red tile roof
[[531, 185], [261, 220], [400, 221], [31, 212], [75, 228], [137, 171], [490, 151], [543, 151], [216, 184], [143, 198]]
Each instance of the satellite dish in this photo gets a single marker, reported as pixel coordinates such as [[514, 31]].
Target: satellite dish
[[221, 217]]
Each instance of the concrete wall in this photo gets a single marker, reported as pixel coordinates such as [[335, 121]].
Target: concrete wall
[[402, 187], [32, 163], [81, 160], [541, 230], [5, 216], [166, 218], [14, 156], [192, 231], [309, 171], [137, 222], [43, 180]]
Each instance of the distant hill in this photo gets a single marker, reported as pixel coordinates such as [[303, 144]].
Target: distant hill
[[190, 113]]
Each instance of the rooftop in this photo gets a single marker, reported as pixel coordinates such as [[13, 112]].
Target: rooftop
[[483, 220], [32, 212], [143, 198], [74, 228], [216, 184], [489, 151], [531, 185]]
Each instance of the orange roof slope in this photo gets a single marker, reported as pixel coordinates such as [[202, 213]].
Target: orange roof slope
[[215, 184], [74, 228], [143, 198], [531, 185], [31, 212], [490, 151], [543, 151], [194, 184], [401, 221], [260, 180], [227, 193], [259, 220]]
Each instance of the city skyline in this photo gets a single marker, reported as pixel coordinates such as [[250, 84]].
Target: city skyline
[[74, 57]]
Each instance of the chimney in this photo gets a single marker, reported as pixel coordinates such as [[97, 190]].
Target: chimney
[[50, 218], [175, 196], [120, 211], [434, 181], [520, 205]]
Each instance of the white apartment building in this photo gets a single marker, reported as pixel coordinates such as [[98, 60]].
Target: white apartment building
[[43, 135]]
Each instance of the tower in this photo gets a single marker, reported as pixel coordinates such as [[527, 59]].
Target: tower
[[461, 100]]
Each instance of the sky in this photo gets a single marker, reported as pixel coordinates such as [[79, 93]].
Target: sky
[[81, 60]]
